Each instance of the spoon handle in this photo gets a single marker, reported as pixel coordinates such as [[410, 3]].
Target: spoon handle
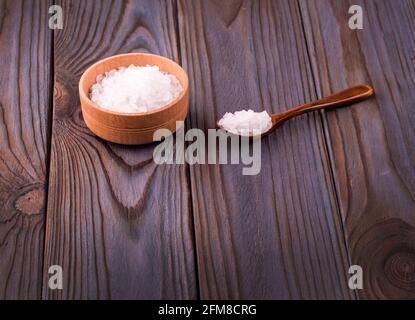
[[346, 97]]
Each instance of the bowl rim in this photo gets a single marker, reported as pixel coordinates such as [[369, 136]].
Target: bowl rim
[[84, 95]]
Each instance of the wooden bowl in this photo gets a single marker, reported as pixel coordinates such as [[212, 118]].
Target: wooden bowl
[[132, 128]]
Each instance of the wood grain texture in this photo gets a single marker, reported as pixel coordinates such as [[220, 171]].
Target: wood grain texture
[[372, 144], [24, 112], [117, 223], [277, 234]]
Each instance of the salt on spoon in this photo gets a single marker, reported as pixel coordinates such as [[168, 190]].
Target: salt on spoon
[[253, 124], [245, 122]]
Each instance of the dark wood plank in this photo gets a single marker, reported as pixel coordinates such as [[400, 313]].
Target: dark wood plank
[[25, 43], [372, 144], [277, 234], [117, 223]]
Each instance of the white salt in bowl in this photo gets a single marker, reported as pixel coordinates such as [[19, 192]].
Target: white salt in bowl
[[132, 128]]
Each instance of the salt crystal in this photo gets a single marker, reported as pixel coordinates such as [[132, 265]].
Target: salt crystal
[[246, 122], [135, 89]]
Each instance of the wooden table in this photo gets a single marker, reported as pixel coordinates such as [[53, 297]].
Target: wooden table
[[336, 188]]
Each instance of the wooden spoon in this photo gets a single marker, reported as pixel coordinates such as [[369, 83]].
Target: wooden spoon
[[343, 98]]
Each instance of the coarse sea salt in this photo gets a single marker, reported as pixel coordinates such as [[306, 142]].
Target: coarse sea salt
[[246, 122], [135, 89]]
